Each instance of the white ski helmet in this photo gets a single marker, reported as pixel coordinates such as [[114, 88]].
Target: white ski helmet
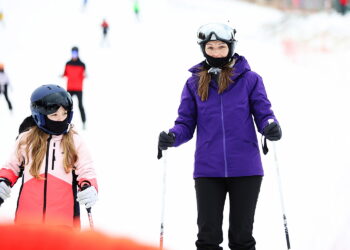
[[217, 31]]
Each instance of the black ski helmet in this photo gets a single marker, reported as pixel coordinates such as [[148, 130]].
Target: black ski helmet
[[219, 32], [46, 100]]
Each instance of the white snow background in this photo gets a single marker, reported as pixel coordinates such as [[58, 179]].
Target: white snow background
[[132, 92]]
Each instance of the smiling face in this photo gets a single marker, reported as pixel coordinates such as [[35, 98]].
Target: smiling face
[[60, 115], [216, 49]]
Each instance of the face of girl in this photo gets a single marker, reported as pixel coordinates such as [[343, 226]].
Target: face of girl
[[60, 115], [216, 49]]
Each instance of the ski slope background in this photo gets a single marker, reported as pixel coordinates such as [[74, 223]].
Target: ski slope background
[[133, 90]]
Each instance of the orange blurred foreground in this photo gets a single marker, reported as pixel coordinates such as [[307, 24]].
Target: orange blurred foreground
[[45, 237]]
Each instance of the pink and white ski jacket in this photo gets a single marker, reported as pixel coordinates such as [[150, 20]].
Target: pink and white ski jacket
[[53, 199]]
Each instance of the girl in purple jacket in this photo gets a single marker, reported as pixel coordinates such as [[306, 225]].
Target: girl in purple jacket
[[222, 100]]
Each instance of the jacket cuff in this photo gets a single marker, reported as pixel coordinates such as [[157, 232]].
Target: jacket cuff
[[90, 182]]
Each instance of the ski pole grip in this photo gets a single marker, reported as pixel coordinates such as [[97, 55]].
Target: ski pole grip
[[8, 183], [85, 186]]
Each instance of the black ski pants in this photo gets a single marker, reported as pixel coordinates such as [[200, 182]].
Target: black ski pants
[[4, 89], [79, 94], [211, 194]]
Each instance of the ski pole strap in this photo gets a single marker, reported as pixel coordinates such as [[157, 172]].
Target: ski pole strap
[[264, 145]]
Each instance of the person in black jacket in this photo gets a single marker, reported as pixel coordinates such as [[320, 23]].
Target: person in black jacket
[[4, 83]]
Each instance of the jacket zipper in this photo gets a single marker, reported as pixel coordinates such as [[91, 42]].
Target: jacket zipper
[[223, 134], [46, 170], [53, 157]]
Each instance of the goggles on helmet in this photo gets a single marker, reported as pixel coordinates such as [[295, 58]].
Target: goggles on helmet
[[220, 31], [51, 103], [75, 53]]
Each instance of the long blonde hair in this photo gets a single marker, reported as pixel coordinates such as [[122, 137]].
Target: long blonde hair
[[223, 82], [35, 143]]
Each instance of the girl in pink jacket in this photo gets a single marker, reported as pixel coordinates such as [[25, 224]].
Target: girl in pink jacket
[[56, 168]]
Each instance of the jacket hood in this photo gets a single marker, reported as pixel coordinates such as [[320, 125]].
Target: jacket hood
[[240, 67]]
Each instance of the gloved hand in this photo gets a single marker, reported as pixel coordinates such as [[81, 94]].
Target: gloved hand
[[87, 196], [5, 190], [165, 141], [273, 131]]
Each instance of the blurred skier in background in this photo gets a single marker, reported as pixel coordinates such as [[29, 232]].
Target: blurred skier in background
[[105, 28], [221, 101], [75, 73], [55, 164], [137, 9], [4, 84], [1, 16]]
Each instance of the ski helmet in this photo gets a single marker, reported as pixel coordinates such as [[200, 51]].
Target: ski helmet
[[219, 32], [47, 99]]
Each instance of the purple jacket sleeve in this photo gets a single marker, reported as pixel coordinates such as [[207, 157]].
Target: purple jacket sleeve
[[186, 121], [260, 106]]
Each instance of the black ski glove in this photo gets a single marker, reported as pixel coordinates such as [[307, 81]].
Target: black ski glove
[[164, 142], [273, 131]]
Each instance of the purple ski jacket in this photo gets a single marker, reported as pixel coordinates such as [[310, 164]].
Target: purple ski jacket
[[227, 143]]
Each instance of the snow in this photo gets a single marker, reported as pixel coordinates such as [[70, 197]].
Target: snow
[[133, 90]]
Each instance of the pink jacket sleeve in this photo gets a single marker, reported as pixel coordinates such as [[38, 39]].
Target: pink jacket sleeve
[[84, 166], [11, 169]]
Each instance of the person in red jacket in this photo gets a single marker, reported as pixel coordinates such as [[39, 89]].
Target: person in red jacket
[[75, 73], [105, 28], [343, 6]]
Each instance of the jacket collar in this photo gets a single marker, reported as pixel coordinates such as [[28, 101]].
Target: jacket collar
[[240, 67]]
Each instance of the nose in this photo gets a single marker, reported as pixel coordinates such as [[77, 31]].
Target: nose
[[61, 117], [217, 54]]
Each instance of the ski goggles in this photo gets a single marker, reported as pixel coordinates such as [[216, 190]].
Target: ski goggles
[[75, 53], [51, 103], [221, 32]]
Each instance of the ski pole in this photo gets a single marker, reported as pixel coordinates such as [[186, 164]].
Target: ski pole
[[163, 201], [91, 222], [281, 196]]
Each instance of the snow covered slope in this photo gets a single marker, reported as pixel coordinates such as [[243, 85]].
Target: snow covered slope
[[133, 90]]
